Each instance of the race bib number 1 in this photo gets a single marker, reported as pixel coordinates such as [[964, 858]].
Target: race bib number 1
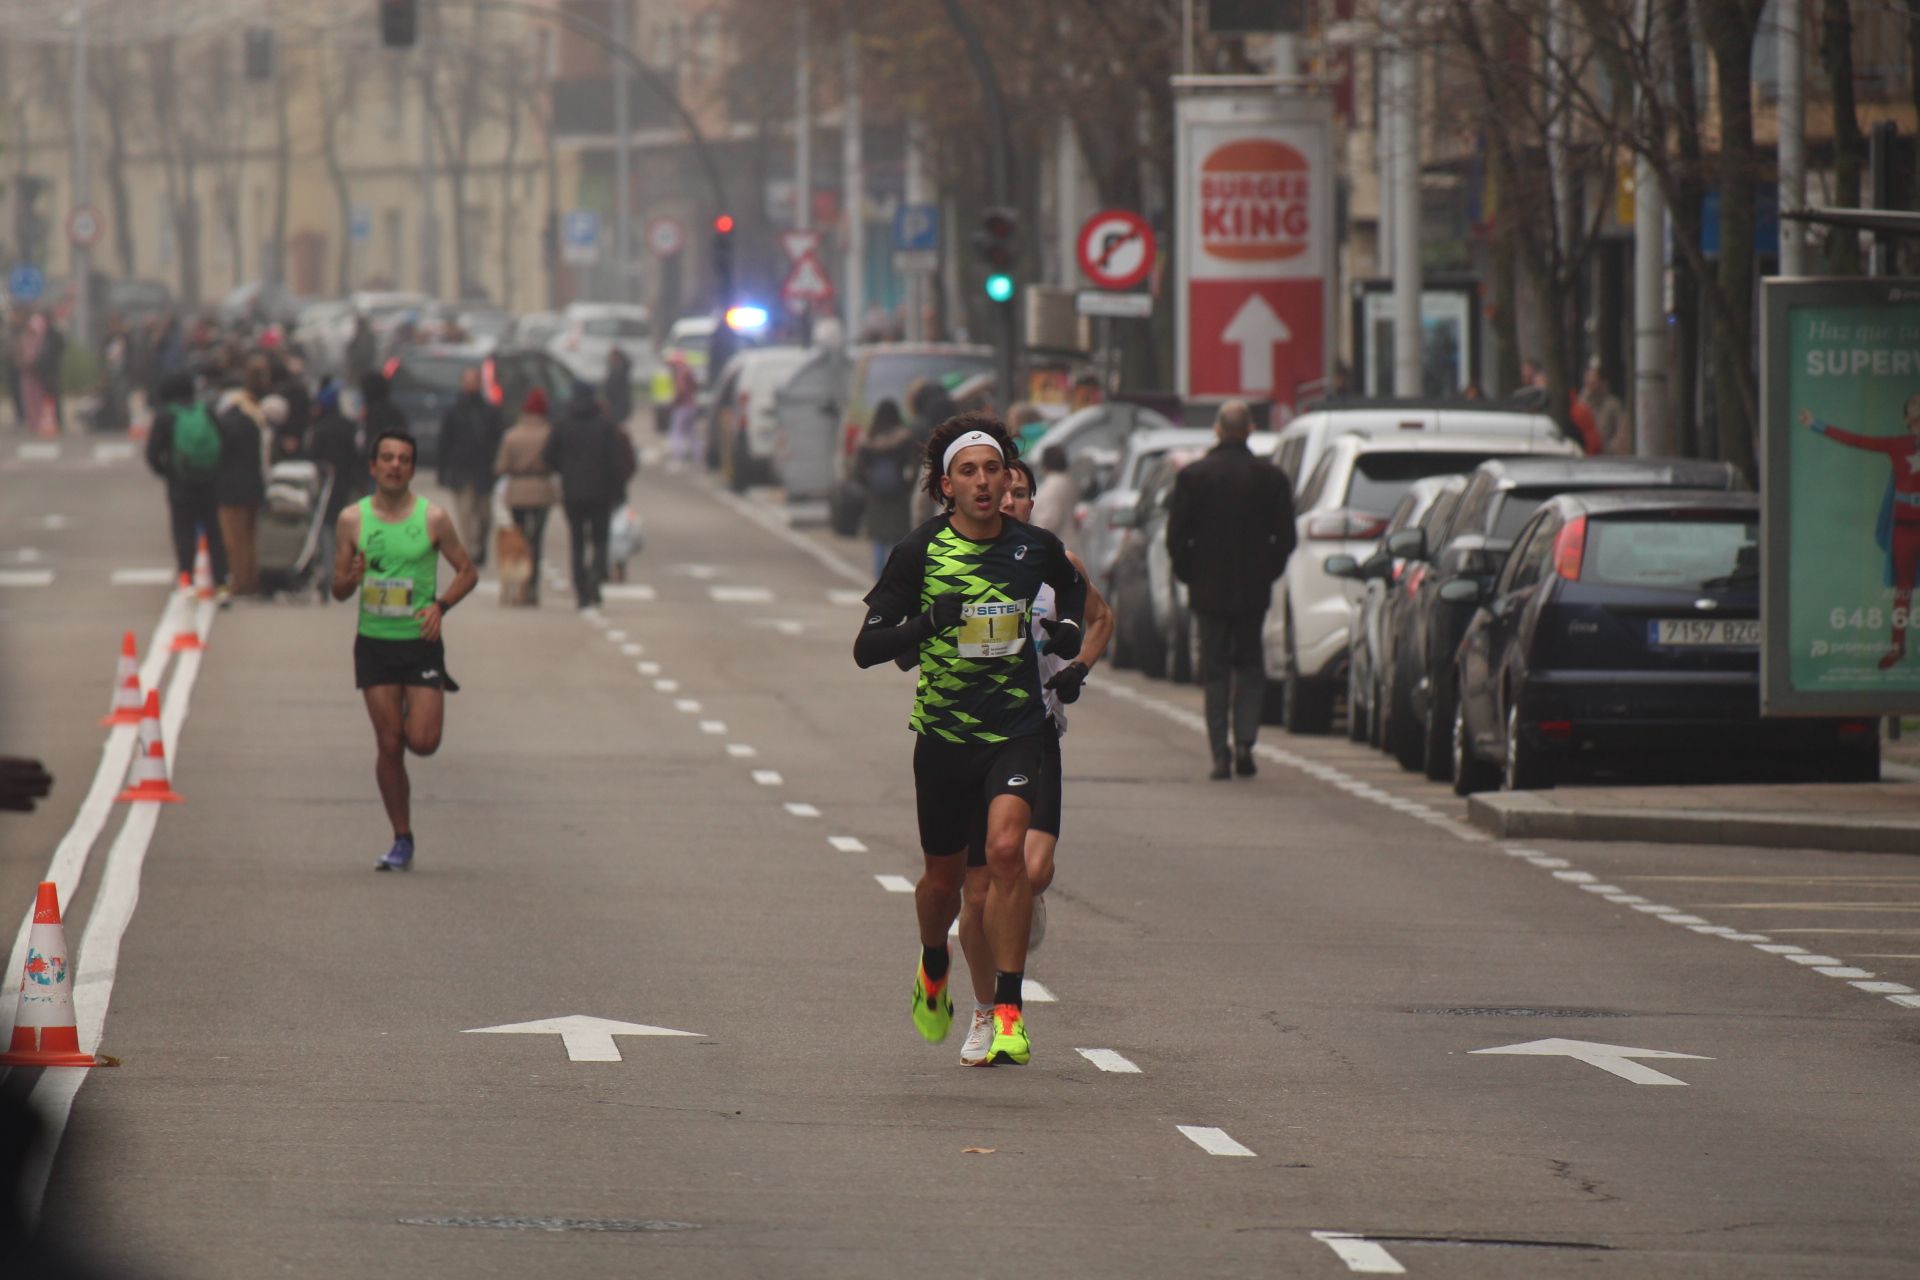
[[387, 597], [992, 628]]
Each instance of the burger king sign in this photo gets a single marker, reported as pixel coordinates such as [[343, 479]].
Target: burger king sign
[[1253, 244]]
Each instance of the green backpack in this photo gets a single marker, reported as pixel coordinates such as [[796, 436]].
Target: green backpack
[[196, 443]]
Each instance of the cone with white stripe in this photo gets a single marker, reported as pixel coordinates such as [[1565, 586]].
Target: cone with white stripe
[[186, 638], [202, 569], [147, 780], [127, 702], [44, 1032]]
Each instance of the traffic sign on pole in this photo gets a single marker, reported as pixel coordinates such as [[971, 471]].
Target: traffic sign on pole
[[806, 286], [799, 245], [360, 223], [83, 226], [666, 236], [1116, 249], [26, 282], [580, 236]]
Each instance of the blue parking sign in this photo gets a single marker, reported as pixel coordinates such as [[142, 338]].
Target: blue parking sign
[[916, 228], [26, 283], [580, 236]]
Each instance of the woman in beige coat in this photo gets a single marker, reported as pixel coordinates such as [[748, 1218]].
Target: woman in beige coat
[[531, 491]]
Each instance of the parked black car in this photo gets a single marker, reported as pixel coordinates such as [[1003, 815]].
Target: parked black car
[[1624, 629], [426, 379], [1500, 497]]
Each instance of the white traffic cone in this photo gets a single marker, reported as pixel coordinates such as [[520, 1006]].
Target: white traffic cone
[[44, 1032]]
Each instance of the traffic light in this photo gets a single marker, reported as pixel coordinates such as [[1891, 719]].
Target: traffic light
[[399, 23], [723, 257], [997, 243], [260, 53]]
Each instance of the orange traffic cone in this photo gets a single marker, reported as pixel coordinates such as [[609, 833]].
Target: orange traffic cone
[[186, 639], [127, 702], [147, 780], [202, 569], [44, 1033], [186, 584]]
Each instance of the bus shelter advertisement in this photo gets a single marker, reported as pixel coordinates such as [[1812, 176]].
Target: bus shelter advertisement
[[1842, 497]]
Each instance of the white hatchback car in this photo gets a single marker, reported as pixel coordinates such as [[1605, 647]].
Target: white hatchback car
[[1342, 508], [589, 331]]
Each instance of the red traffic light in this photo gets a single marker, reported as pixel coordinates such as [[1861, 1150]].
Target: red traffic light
[[723, 224]]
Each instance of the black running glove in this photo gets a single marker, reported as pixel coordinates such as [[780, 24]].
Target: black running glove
[[878, 642], [1067, 681], [1063, 637], [944, 616]]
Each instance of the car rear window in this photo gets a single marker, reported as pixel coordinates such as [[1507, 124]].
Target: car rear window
[[614, 327], [1688, 555], [1381, 479], [1513, 508], [429, 373], [888, 376]]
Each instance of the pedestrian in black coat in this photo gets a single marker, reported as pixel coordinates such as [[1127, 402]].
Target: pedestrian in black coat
[[594, 460], [1229, 533], [469, 438]]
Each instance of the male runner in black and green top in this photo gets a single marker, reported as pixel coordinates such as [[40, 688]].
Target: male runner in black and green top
[[959, 591], [389, 549]]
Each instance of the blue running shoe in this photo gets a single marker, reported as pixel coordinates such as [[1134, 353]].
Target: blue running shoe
[[399, 858]]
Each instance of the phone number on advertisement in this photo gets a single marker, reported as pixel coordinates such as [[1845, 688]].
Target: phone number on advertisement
[[1869, 619]]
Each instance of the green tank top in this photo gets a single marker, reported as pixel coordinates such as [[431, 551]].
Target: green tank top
[[402, 572]]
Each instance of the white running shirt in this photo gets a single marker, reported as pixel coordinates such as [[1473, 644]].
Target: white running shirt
[[1050, 666]]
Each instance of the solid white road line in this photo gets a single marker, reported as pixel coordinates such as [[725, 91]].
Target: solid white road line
[[26, 577], [1360, 1254], [741, 751], [740, 595], [802, 810], [847, 844], [158, 576], [1031, 990], [1108, 1060], [895, 884], [1214, 1142], [768, 778], [713, 726], [773, 524]]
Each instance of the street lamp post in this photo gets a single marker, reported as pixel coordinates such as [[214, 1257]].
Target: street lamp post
[[82, 183]]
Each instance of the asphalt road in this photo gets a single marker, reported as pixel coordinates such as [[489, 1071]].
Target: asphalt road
[[680, 815]]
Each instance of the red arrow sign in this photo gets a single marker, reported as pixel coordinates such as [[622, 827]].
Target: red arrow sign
[[1258, 339]]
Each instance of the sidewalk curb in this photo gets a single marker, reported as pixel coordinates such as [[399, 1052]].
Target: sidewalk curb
[[1525, 816]]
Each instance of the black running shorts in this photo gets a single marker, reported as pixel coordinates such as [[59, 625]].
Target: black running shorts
[[420, 664], [1046, 800], [955, 783]]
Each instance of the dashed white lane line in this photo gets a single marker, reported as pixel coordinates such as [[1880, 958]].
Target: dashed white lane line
[[1034, 991], [698, 572], [846, 599], [785, 626], [847, 844], [38, 451], [157, 576], [1811, 961], [616, 637], [112, 451], [799, 810], [1108, 1060], [1214, 1142], [768, 778], [740, 595], [1843, 971], [686, 706], [1780, 948], [28, 555], [1883, 988], [1360, 1254], [667, 686], [26, 577], [713, 726], [741, 751], [632, 650], [647, 668], [638, 591], [52, 521], [895, 884]]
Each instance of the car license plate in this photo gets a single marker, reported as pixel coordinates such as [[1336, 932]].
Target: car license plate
[[1704, 633]]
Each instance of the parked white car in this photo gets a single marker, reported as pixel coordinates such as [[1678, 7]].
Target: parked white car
[[589, 331], [745, 431], [1106, 516], [1342, 508]]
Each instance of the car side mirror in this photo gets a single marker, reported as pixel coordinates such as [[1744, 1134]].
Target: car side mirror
[[1463, 591], [1343, 567], [1408, 544], [1377, 565], [1479, 563], [1125, 518]]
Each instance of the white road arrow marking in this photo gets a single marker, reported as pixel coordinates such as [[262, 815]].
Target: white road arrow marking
[[1360, 1254], [1614, 1058], [587, 1039], [1256, 328]]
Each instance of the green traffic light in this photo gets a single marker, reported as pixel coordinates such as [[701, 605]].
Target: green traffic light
[[1000, 287]]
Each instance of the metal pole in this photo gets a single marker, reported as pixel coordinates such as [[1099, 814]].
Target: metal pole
[[622, 163], [1651, 428], [1000, 157], [919, 283], [803, 128], [429, 232], [853, 161], [1559, 167], [1408, 338], [1793, 136], [82, 184]]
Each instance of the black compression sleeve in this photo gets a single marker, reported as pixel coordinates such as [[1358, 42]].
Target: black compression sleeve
[[878, 642]]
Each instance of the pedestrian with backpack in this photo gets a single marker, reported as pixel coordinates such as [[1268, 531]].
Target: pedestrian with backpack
[[887, 465], [183, 448]]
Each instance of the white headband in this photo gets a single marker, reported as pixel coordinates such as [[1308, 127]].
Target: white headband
[[967, 441]]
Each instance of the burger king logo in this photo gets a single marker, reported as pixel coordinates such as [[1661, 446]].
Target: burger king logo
[[1254, 202]]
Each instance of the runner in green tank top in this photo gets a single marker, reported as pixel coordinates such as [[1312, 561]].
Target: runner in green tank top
[[389, 549]]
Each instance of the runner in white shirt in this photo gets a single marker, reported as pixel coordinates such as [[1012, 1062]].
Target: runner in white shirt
[[1060, 684]]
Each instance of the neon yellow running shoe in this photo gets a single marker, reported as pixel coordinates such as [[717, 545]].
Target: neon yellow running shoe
[[1010, 1042], [932, 1006]]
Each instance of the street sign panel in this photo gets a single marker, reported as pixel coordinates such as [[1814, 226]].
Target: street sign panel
[[83, 226], [666, 236], [1125, 306], [798, 245], [580, 236], [26, 282], [806, 285], [916, 228], [360, 223], [1255, 247], [1116, 249]]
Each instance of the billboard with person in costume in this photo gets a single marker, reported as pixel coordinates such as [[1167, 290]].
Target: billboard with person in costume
[[1842, 488]]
